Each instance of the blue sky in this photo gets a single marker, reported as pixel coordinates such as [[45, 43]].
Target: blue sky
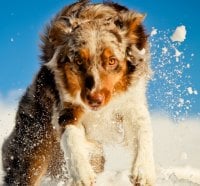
[[22, 21]]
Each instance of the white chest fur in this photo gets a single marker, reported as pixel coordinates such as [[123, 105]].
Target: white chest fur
[[106, 126], [117, 122]]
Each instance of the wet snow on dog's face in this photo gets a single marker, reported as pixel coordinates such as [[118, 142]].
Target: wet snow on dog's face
[[93, 63]]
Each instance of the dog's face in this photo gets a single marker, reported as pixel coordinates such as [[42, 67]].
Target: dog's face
[[97, 60], [94, 65]]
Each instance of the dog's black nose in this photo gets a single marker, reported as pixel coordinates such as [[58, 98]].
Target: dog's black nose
[[89, 82]]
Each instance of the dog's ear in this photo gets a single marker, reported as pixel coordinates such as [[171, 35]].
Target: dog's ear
[[59, 30], [54, 36], [135, 31], [60, 27], [137, 52], [131, 22], [66, 21], [134, 20]]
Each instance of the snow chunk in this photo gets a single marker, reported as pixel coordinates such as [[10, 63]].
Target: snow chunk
[[177, 54], [164, 50], [181, 102], [191, 91], [195, 92], [153, 32], [179, 34]]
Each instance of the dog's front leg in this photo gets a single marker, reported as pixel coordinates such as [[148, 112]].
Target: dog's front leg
[[75, 146], [143, 171]]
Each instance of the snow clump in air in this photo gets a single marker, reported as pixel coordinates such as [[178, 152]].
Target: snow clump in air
[[170, 89], [179, 34], [153, 32]]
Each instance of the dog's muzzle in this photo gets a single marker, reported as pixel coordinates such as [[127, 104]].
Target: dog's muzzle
[[95, 100]]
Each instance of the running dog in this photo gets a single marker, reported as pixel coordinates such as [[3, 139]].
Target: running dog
[[92, 82]]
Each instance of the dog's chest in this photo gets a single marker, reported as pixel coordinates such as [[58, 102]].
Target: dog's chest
[[107, 126]]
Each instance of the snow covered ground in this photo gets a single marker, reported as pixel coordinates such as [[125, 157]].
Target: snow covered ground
[[177, 152], [177, 155]]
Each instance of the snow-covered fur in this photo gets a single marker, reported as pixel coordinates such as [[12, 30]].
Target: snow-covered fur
[[90, 91]]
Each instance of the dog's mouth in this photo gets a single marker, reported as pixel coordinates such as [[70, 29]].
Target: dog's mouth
[[94, 108]]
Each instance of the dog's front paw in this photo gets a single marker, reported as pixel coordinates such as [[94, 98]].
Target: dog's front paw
[[143, 175], [84, 177]]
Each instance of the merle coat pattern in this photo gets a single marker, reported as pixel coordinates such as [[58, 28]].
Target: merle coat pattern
[[93, 78]]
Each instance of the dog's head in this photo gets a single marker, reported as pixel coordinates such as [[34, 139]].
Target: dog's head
[[96, 51]]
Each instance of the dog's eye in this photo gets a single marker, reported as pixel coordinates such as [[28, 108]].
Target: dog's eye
[[80, 65], [113, 61], [79, 62]]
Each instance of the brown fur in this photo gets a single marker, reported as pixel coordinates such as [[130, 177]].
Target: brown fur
[[87, 49]]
